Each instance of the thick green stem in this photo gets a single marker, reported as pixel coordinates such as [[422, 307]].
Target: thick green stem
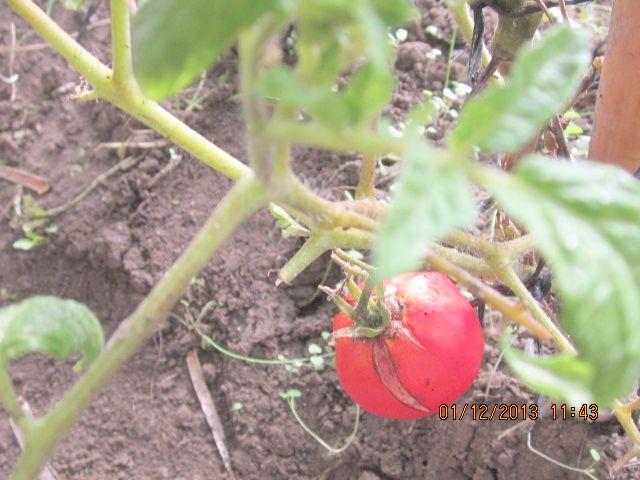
[[366, 184], [626, 420], [121, 48], [241, 201], [319, 243], [98, 75], [509, 250], [367, 181], [305, 256], [361, 141]]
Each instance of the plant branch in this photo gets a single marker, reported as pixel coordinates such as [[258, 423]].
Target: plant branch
[[509, 250], [625, 418], [509, 277], [121, 48], [240, 202], [148, 112], [515, 312], [319, 243], [367, 180], [633, 405], [89, 66], [366, 183], [313, 135]]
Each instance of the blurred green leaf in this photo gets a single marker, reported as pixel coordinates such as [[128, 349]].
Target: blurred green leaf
[[543, 80], [317, 362], [173, 42], [432, 197], [60, 328], [573, 129], [363, 97], [72, 4], [293, 393], [286, 222], [28, 243], [585, 218], [394, 12], [337, 40], [562, 377]]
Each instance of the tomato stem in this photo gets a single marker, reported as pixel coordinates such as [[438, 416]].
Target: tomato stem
[[385, 313], [353, 288], [338, 300]]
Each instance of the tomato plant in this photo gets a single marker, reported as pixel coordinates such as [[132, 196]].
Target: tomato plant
[[428, 354], [579, 219]]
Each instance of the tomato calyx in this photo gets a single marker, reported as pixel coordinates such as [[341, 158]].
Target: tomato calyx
[[378, 317], [369, 311]]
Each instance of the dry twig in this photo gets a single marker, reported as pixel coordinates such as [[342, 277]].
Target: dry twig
[[30, 180], [209, 409]]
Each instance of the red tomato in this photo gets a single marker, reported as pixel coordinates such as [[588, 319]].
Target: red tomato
[[429, 354]]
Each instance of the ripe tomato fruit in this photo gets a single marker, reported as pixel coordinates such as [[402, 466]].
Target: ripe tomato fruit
[[429, 354]]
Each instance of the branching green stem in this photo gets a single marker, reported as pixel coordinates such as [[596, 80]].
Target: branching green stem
[[148, 112], [509, 250], [239, 203], [320, 243], [512, 310], [508, 276]]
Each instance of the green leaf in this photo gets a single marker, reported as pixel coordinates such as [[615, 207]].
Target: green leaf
[[314, 349], [563, 377], [27, 244], [368, 90], [432, 198], [573, 129], [72, 4], [585, 218], [293, 393], [173, 42], [394, 12], [317, 362], [594, 454], [60, 328], [543, 80], [286, 222]]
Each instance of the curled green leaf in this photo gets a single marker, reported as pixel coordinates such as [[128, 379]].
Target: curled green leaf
[[60, 328]]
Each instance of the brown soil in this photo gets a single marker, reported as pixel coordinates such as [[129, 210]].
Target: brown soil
[[112, 247]]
